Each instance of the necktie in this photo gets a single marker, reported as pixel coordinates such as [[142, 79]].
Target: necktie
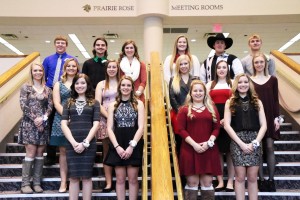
[[57, 70]]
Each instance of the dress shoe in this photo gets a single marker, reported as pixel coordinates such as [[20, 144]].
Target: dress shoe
[[219, 189], [229, 190], [62, 190], [107, 190]]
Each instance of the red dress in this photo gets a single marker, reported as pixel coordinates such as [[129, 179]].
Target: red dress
[[199, 128]]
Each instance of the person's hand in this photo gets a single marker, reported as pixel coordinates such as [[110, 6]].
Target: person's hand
[[79, 148], [276, 124], [40, 128], [222, 122], [120, 151], [204, 146], [127, 153], [247, 148], [38, 121]]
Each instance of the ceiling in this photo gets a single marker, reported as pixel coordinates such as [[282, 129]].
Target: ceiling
[[33, 32]]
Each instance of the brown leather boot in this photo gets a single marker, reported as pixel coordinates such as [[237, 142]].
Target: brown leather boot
[[26, 176]]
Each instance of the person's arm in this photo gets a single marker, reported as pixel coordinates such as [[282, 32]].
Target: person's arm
[[276, 105], [271, 67], [57, 98], [143, 79], [166, 68], [24, 93], [196, 67], [85, 68], [203, 73], [262, 122], [175, 105], [98, 97], [50, 102], [94, 129], [46, 66], [65, 128], [237, 67]]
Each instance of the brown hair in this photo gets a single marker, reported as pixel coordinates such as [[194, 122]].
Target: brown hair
[[136, 54], [215, 81], [61, 37]]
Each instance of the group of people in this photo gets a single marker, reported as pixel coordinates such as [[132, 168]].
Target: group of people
[[72, 109], [225, 108]]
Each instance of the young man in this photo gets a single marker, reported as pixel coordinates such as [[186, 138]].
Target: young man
[[255, 42], [219, 43], [53, 66], [95, 67]]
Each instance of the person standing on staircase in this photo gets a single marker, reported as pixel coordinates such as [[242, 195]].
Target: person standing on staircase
[[53, 65], [245, 122], [198, 125], [266, 87], [125, 127], [36, 104]]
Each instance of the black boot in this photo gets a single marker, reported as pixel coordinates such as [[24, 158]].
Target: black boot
[[262, 185], [271, 186]]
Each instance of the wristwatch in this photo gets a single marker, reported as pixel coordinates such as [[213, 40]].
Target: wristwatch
[[132, 143], [255, 144], [86, 144]]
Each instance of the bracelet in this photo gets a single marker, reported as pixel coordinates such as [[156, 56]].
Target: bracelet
[[132, 143], [45, 117], [117, 146], [210, 143], [255, 144], [86, 144], [138, 92]]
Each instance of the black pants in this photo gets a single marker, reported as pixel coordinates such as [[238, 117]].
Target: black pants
[[51, 150]]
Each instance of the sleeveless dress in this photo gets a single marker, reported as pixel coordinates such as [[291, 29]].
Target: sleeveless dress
[[219, 94], [125, 122], [81, 164], [57, 136], [34, 105]]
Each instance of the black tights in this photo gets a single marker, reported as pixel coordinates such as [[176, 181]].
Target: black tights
[[268, 147]]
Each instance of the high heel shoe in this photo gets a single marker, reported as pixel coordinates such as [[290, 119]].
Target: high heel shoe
[[107, 190], [62, 190]]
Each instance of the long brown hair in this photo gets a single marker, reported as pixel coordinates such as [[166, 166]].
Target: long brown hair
[[136, 53], [107, 76], [215, 81], [133, 100], [235, 97], [266, 71]]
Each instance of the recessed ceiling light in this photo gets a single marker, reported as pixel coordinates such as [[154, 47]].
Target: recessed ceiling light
[[112, 40], [245, 51], [48, 41], [193, 40], [117, 53]]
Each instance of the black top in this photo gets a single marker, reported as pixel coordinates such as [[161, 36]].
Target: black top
[[94, 70], [245, 117]]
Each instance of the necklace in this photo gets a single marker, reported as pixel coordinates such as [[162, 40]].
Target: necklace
[[39, 93], [245, 105], [79, 106], [200, 109]]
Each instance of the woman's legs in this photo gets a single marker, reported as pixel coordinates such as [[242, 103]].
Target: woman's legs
[[63, 169], [120, 182], [240, 174], [27, 168], [87, 186], [220, 177], [230, 171], [191, 187], [252, 182], [74, 189], [107, 169], [133, 182], [38, 168]]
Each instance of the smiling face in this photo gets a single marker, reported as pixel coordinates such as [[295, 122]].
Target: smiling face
[[255, 43], [100, 48], [260, 64], [184, 67], [80, 86], [71, 68], [198, 93], [181, 45], [126, 88], [112, 69], [37, 73], [60, 46], [219, 46], [222, 70], [129, 50], [243, 85]]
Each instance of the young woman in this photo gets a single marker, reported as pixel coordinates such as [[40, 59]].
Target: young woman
[[245, 122], [181, 47], [106, 93], [179, 87], [61, 93], [198, 124], [131, 65], [36, 104], [125, 126], [266, 87], [80, 121], [220, 90]]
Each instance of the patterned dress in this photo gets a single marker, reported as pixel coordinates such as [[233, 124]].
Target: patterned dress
[[81, 164], [33, 105], [57, 136], [125, 121]]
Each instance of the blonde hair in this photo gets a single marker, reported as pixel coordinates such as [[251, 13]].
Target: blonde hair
[[64, 76], [30, 82], [175, 51], [254, 36], [209, 104], [266, 71], [177, 75], [234, 99]]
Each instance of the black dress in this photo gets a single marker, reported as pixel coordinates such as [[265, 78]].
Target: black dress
[[81, 164], [126, 125]]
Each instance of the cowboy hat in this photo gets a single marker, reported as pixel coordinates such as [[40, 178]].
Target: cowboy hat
[[211, 40]]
